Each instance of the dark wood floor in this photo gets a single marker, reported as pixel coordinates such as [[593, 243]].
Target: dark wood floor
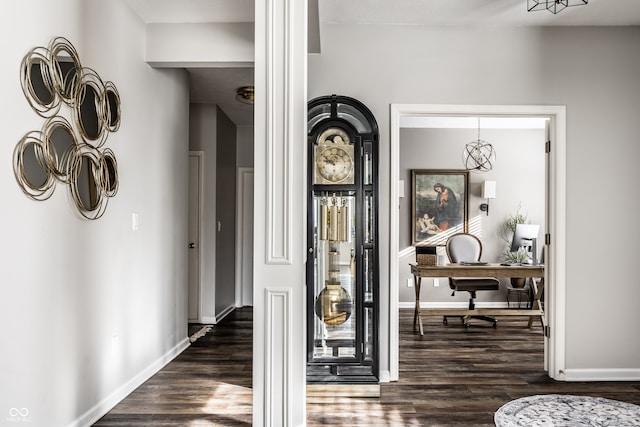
[[451, 376]]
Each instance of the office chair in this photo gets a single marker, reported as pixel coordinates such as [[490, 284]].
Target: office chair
[[463, 247]]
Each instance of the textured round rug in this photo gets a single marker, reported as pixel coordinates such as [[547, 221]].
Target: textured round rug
[[561, 410]]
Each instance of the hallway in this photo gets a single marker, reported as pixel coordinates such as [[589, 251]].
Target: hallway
[[209, 384]]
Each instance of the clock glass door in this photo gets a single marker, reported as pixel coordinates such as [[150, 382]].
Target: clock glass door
[[335, 320]]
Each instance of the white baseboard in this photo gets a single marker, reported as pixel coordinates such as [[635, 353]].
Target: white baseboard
[[224, 313], [456, 305], [99, 410], [208, 320], [602, 374], [213, 320]]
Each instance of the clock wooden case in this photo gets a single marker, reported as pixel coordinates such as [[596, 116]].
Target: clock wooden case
[[342, 263]]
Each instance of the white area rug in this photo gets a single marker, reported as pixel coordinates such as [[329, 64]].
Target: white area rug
[[201, 332], [560, 410]]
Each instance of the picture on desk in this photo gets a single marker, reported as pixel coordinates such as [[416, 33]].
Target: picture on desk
[[439, 202]]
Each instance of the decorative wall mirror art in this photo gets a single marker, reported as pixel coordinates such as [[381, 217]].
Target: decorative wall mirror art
[[62, 151]]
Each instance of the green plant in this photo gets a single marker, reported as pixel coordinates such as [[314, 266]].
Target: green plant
[[507, 235]]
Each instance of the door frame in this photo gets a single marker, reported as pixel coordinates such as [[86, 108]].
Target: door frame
[[244, 175], [555, 273], [199, 156]]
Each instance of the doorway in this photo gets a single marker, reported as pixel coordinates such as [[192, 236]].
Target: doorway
[[555, 222], [194, 309]]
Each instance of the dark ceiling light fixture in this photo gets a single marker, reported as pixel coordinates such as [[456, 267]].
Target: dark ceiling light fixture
[[479, 155], [553, 6], [244, 94]]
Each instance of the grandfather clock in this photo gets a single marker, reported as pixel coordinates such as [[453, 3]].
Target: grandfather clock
[[342, 232]]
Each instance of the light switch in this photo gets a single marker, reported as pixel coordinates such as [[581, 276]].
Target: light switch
[[410, 283], [134, 221]]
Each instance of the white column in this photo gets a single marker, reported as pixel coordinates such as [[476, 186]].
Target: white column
[[279, 351]]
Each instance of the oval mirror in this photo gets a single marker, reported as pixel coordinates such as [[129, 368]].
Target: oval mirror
[[40, 80], [109, 173], [88, 112], [35, 170], [60, 146], [85, 185], [112, 100]]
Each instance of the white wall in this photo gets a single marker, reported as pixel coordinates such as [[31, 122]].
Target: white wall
[[519, 173], [91, 308], [226, 172], [593, 71]]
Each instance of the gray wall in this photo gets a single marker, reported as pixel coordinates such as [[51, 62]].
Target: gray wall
[[245, 146], [225, 213], [519, 173], [594, 73]]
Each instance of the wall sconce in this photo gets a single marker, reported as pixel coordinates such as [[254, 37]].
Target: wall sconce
[[488, 192]]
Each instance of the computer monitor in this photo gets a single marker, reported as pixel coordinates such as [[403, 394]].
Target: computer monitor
[[525, 236]]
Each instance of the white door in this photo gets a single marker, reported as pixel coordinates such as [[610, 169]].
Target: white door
[[195, 207], [244, 235]]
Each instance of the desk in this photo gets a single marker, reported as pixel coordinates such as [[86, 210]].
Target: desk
[[490, 270]]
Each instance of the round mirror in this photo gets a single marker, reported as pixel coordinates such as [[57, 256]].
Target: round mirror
[[66, 67], [30, 167], [37, 82]]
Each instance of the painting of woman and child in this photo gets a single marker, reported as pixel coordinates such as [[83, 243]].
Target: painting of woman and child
[[439, 205]]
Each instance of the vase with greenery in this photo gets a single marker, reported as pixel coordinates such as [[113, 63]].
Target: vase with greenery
[[507, 235]]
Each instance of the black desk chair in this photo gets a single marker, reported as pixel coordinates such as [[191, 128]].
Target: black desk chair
[[465, 247]]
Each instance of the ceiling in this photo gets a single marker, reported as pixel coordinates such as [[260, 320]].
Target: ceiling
[[218, 85]]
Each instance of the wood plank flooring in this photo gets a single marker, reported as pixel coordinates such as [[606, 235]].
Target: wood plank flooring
[[451, 376]]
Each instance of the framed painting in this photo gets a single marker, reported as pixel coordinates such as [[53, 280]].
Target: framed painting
[[439, 205]]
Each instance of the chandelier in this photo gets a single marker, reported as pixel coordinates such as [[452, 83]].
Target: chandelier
[[479, 155], [553, 6]]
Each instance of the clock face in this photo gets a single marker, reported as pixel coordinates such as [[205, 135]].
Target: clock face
[[334, 164], [334, 157]]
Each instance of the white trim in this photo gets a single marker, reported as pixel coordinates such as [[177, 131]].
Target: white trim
[[277, 369], [602, 374], [280, 202], [279, 134], [208, 320], [224, 313], [103, 407], [242, 174], [555, 274]]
